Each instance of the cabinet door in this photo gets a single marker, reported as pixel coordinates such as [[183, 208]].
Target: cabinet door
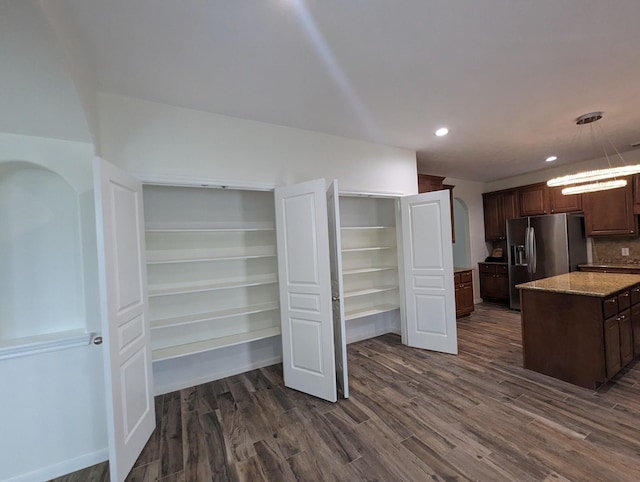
[[427, 259], [559, 203], [493, 228], [635, 326], [610, 212], [626, 337], [124, 310], [612, 345], [533, 200], [337, 290], [509, 208], [302, 232]]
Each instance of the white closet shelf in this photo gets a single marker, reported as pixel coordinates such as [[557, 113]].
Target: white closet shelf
[[212, 315], [209, 285], [178, 227], [206, 230], [213, 344], [31, 345], [370, 291], [192, 255], [347, 228], [371, 310], [371, 248], [369, 270]]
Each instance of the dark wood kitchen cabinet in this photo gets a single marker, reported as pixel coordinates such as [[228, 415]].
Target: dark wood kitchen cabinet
[[580, 338], [494, 281], [533, 200], [611, 212], [463, 282], [428, 183], [560, 203], [498, 207]]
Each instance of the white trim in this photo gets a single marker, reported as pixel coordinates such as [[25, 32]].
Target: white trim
[[62, 468], [186, 181], [191, 382], [32, 345], [380, 194]]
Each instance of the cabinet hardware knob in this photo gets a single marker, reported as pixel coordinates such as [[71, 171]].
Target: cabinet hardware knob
[[97, 340]]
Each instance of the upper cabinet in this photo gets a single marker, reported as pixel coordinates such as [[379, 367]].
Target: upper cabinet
[[533, 200], [610, 212], [428, 183], [498, 207], [559, 203]]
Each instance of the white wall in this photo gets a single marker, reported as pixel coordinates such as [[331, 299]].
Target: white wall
[[152, 138], [471, 194], [53, 410]]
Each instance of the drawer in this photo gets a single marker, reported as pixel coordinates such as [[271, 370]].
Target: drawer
[[456, 278], [487, 268], [501, 268], [610, 307], [465, 276], [624, 300], [635, 295]]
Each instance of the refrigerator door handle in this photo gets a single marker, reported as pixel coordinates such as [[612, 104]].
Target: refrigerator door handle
[[534, 252], [527, 248]]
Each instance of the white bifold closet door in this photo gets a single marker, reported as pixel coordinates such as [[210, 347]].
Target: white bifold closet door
[[124, 311], [427, 266], [306, 307]]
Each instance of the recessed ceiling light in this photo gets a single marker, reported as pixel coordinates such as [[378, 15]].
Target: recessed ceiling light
[[443, 131], [551, 158]]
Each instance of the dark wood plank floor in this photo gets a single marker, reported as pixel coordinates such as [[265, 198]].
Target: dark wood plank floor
[[412, 415]]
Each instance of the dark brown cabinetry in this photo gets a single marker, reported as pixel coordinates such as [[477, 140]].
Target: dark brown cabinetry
[[610, 212], [581, 339], [494, 281], [559, 203], [498, 207], [463, 283], [533, 200]]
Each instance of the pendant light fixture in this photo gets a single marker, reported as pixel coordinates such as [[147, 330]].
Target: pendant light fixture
[[600, 179]]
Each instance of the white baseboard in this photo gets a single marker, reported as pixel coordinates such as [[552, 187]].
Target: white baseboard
[[161, 390], [62, 468], [191, 370]]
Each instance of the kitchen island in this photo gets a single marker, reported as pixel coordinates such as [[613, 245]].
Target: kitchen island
[[581, 327]]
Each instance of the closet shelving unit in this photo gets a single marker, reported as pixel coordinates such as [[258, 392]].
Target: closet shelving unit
[[211, 269], [369, 256]]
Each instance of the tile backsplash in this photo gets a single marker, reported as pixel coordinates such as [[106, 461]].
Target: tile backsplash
[[609, 250]]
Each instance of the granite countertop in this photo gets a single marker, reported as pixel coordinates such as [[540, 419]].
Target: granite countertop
[[611, 265], [492, 262], [584, 283]]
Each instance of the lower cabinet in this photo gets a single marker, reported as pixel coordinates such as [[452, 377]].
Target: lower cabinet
[[463, 282], [584, 340], [494, 281]]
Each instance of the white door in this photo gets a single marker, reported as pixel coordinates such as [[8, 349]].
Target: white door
[[337, 292], [125, 324], [305, 289], [427, 260]]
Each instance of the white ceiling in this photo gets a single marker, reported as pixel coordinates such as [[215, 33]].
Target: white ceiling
[[507, 77]]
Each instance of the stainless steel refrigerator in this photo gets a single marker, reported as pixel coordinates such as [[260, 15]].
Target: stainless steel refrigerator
[[543, 246]]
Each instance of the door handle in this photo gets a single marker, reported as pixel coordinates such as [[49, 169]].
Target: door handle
[[97, 340], [335, 298]]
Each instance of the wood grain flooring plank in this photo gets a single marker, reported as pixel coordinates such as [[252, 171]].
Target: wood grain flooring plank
[[273, 464], [171, 452], [195, 449], [144, 473], [250, 470], [436, 462], [234, 425], [217, 454]]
